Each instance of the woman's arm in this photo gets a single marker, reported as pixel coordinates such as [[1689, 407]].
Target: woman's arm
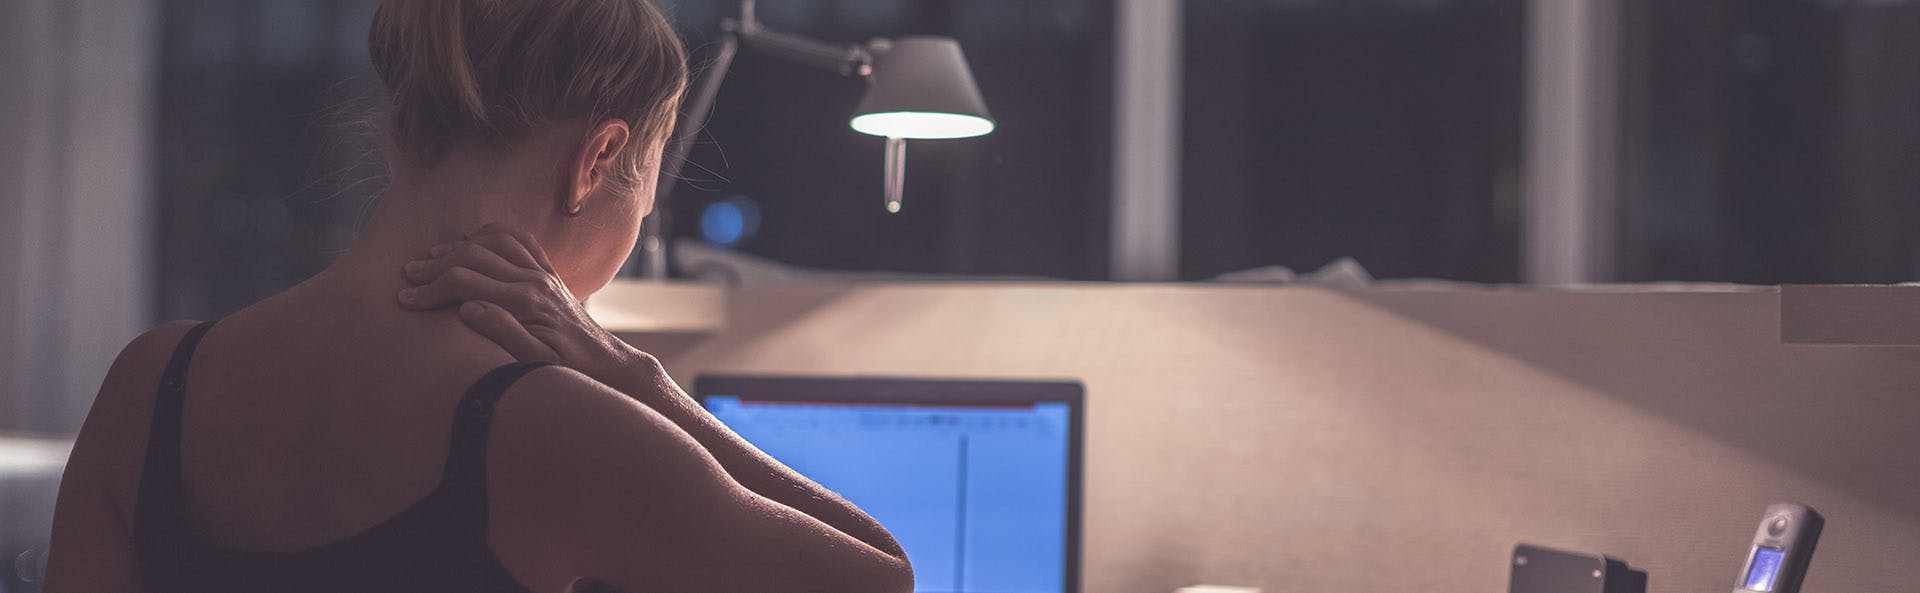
[[586, 482], [508, 292], [92, 548], [648, 382]]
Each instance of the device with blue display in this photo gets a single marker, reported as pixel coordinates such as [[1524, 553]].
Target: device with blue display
[[978, 480], [1781, 551]]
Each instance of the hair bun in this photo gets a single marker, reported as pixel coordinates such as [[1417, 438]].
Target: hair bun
[[484, 72], [419, 48]]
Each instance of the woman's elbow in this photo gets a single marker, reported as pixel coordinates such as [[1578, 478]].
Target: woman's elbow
[[877, 573], [896, 577]]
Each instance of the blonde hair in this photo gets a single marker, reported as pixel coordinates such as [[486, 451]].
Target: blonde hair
[[484, 72]]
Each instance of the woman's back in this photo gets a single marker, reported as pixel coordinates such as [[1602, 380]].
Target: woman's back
[[319, 458], [311, 419]]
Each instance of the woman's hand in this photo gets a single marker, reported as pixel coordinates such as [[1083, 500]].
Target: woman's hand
[[507, 292]]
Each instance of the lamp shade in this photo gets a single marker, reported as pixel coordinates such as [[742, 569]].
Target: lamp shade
[[922, 89]]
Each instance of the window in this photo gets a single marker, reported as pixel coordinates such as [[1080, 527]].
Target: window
[[1771, 141], [1384, 130], [263, 171]]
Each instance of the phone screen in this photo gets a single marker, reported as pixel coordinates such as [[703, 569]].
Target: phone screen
[[1764, 569]]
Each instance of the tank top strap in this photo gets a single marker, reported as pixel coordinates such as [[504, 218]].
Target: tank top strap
[[160, 478], [467, 453]]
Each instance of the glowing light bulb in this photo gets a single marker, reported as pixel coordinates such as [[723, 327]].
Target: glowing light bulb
[[922, 125]]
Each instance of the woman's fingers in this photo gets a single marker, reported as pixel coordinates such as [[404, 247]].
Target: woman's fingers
[[509, 293], [523, 239], [459, 284], [496, 324], [507, 247], [470, 255]]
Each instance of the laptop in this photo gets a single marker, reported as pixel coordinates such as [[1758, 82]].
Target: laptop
[[979, 481]]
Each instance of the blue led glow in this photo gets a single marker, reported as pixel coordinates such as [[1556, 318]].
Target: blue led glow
[[722, 223], [729, 222]]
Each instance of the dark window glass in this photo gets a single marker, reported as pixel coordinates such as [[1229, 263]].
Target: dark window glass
[[1771, 141], [265, 164], [1385, 130], [1029, 199]]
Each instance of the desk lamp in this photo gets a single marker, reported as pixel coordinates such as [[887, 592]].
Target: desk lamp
[[919, 87]]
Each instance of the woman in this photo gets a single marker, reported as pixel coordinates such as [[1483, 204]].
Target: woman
[[397, 426]]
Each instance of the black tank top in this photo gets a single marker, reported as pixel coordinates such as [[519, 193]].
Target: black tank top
[[439, 544]]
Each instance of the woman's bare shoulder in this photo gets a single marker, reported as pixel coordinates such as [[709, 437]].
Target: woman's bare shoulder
[[568, 458], [150, 350], [557, 399], [111, 447], [131, 383], [135, 375], [558, 425]]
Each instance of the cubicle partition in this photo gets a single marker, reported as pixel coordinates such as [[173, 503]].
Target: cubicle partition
[[1302, 439]]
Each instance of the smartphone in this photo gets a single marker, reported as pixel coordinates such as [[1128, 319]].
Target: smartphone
[[1781, 551]]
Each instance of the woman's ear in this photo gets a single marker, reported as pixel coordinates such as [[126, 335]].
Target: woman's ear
[[595, 161]]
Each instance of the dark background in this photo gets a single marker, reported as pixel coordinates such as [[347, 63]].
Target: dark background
[[1771, 141], [1385, 131]]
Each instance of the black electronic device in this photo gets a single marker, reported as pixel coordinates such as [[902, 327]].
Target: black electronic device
[[1782, 548], [1546, 570]]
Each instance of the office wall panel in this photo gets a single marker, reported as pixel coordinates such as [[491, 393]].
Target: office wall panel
[[1394, 440]]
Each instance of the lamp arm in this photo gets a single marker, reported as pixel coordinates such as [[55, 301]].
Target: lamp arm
[[846, 60]]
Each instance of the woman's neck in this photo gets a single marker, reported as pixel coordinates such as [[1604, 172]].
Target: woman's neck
[[417, 214], [457, 196]]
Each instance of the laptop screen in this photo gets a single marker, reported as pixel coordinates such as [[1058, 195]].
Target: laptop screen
[[978, 495]]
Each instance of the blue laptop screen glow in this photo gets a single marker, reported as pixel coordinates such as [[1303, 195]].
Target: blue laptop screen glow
[[976, 495]]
